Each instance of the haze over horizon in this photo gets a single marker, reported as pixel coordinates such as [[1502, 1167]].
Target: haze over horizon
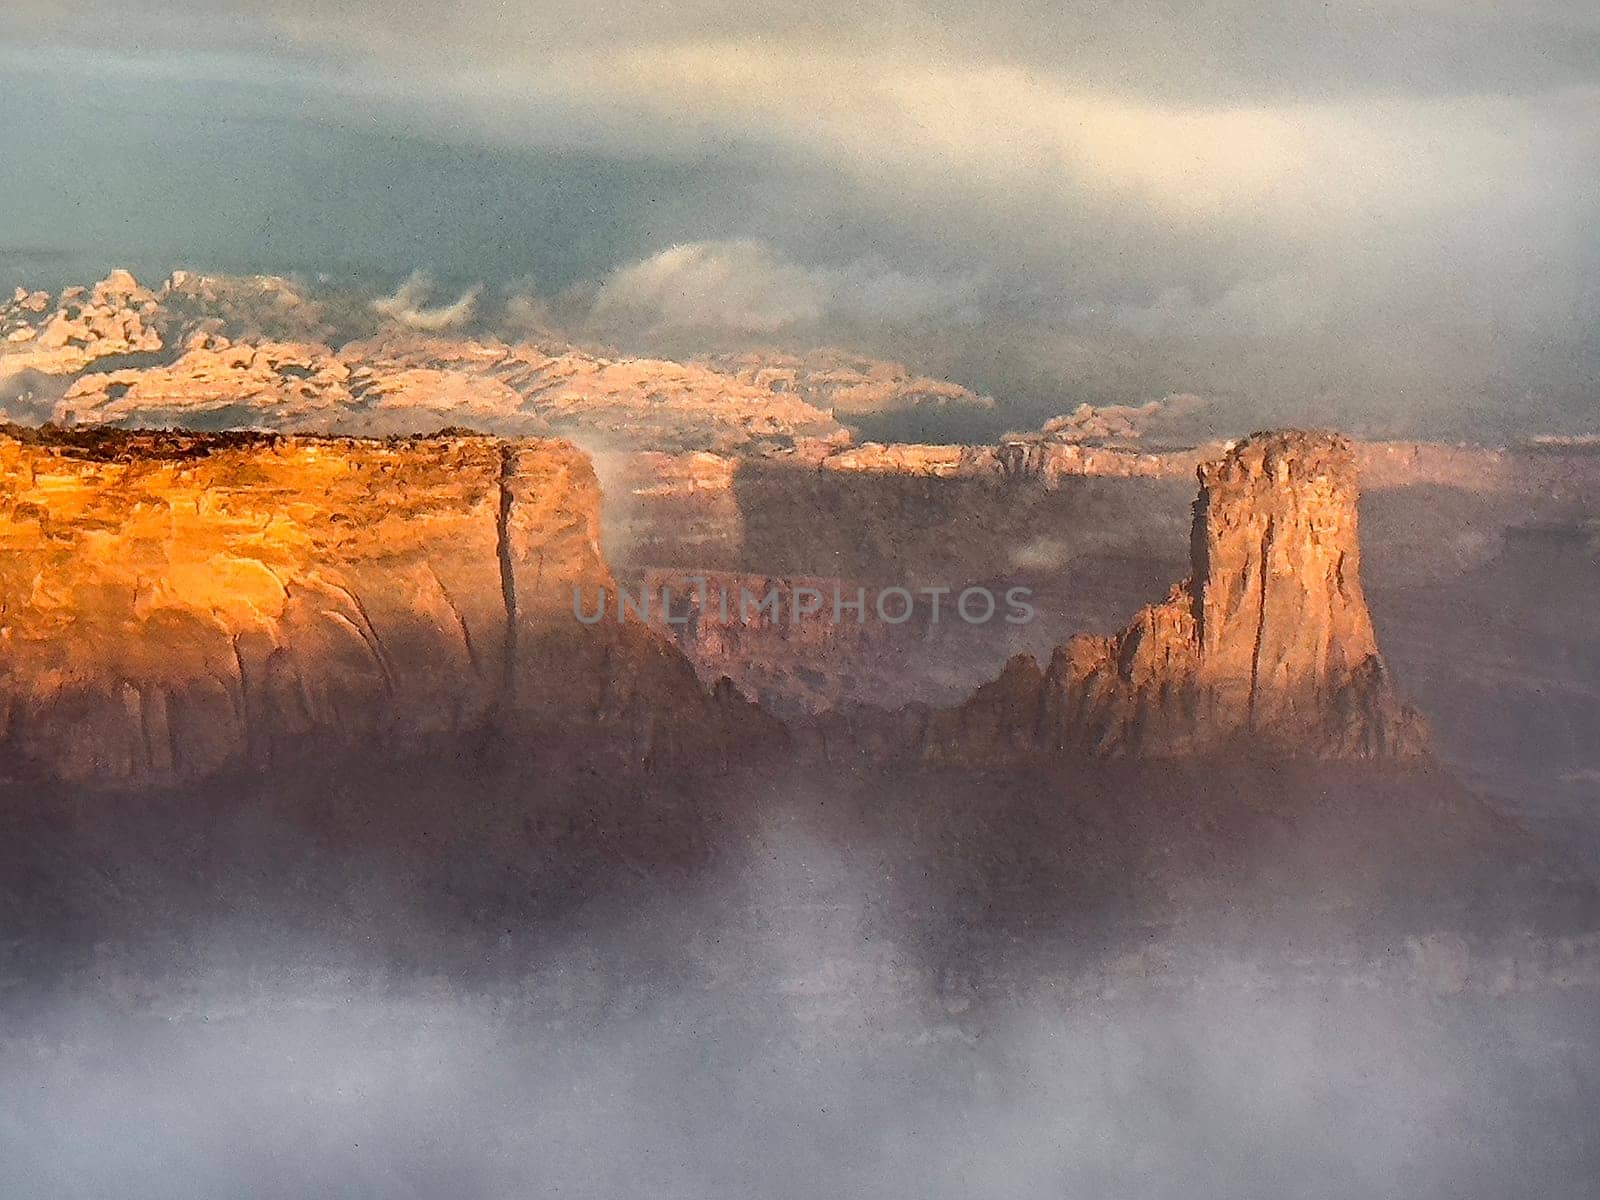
[[1374, 215]]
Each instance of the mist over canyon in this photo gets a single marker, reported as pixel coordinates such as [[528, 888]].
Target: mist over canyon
[[1244, 356], [342, 857]]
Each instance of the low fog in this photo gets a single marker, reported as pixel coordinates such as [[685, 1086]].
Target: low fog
[[1220, 1091], [786, 990]]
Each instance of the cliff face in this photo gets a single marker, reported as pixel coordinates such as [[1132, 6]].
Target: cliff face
[[173, 606], [1268, 642]]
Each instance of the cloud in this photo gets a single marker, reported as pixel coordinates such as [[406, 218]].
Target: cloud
[[739, 285], [406, 306], [1083, 176], [1004, 130], [743, 286]]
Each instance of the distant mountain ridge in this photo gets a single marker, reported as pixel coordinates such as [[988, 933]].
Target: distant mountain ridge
[[210, 352]]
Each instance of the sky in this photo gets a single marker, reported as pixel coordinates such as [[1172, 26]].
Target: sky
[[1380, 215]]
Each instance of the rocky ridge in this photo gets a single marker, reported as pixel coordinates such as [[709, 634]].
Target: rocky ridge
[[62, 335], [647, 403], [263, 353], [293, 387], [847, 385], [268, 353]]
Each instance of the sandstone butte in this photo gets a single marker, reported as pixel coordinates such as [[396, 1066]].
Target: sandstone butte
[[1267, 647], [173, 606]]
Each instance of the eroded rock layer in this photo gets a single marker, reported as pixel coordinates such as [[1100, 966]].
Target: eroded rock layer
[[202, 352], [1268, 644], [173, 606]]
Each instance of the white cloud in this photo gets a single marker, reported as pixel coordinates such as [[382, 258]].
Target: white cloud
[[1116, 182], [1014, 134], [744, 286], [735, 285], [406, 306]]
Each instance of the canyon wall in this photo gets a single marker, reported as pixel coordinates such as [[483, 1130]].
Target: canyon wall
[[904, 510], [172, 606], [803, 645]]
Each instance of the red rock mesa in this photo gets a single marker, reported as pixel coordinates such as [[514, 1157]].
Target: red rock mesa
[[176, 605]]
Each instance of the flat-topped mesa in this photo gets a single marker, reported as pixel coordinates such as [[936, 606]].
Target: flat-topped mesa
[[172, 606], [1268, 646]]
